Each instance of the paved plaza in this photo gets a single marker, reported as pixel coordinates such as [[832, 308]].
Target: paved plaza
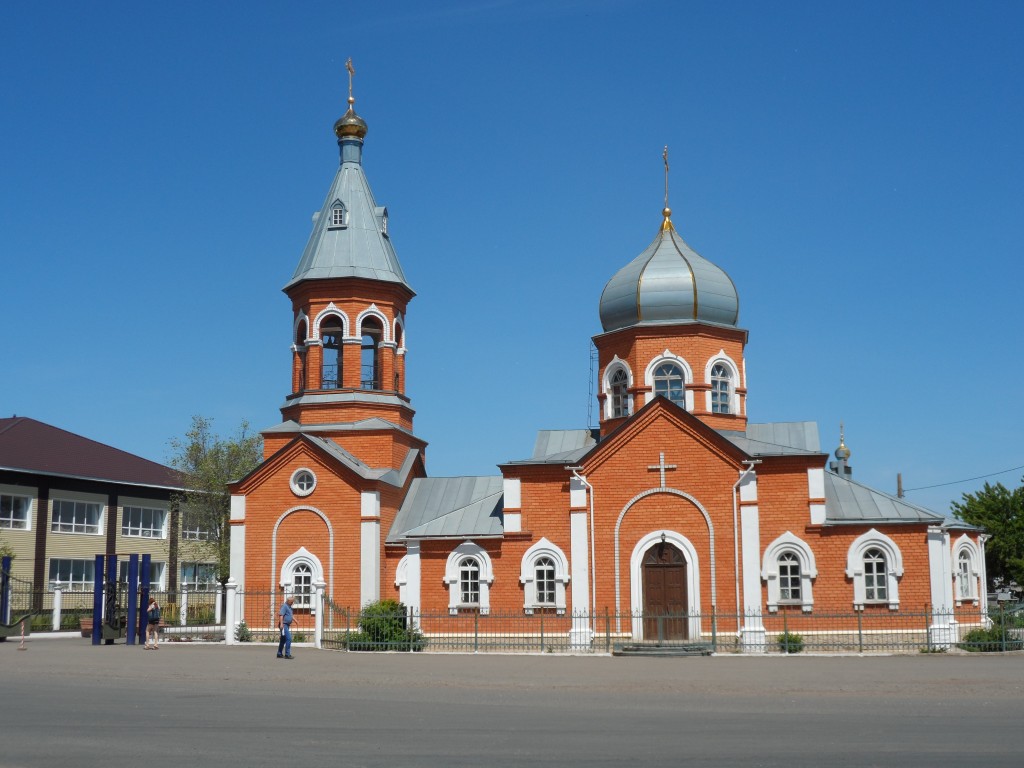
[[65, 702]]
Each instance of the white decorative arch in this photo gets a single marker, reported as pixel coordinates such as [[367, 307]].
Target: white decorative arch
[[451, 576], [528, 575], [373, 311], [734, 375], [330, 309], [398, 333], [300, 317], [669, 357], [301, 556], [617, 363], [274, 574], [711, 548], [788, 542], [966, 585], [893, 565], [636, 578]]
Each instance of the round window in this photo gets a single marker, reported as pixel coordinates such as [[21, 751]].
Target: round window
[[303, 482]]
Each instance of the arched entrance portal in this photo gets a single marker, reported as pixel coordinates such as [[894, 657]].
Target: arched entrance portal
[[664, 585]]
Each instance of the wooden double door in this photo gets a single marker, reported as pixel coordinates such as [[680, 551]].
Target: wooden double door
[[665, 599]]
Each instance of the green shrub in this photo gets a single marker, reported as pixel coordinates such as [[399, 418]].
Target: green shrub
[[242, 633], [1005, 634], [383, 627], [790, 642]]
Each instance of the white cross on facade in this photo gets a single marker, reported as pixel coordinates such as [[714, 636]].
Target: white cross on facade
[[662, 466]]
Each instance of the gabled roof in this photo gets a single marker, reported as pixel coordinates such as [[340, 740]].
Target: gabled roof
[[450, 507], [847, 502], [358, 249], [27, 445], [790, 438]]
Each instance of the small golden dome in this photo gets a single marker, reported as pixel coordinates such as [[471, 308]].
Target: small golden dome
[[350, 124]]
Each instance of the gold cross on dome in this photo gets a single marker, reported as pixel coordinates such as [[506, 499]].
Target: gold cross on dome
[[351, 72], [661, 466]]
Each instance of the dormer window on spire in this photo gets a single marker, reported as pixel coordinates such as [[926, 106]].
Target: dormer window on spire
[[338, 215]]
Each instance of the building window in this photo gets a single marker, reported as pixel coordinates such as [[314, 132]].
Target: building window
[[668, 382], [875, 587], [303, 482], [156, 575], [331, 333], [147, 522], [789, 578], [373, 335], [302, 585], [199, 577], [72, 575], [789, 569], [620, 395], [338, 215], [468, 575], [192, 529], [721, 389], [469, 582], [544, 574], [77, 517], [384, 224], [14, 512]]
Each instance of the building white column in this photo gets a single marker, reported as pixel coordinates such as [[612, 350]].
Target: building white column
[[942, 629], [983, 570], [216, 604], [816, 494], [318, 613], [56, 608], [369, 548], [512, 504], [237, 546], [752, 636], [579, 578], [183, 608], [412, 578]]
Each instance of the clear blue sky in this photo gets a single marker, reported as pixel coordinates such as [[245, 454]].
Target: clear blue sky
[[856, 168]]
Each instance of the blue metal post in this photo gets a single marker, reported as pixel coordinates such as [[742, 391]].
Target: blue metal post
[[5, 591], [97, 601], [133, 602], [144, 595]]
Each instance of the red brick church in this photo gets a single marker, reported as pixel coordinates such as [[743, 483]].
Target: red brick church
[[677, 504]]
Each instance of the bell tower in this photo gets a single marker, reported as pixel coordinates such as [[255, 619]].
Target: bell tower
[[349, 298]]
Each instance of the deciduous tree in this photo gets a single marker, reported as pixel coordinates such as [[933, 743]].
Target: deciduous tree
[[1000, 511]]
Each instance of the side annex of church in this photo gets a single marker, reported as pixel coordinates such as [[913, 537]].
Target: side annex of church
[[676, 505]]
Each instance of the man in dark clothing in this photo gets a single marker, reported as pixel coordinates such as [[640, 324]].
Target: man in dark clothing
[[284, 647]]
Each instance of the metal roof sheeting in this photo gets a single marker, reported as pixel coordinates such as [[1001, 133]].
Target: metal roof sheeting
[[450, 507], [557, 441], [850, 502]]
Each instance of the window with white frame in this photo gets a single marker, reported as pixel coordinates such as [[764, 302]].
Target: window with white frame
[[875, 564], [619, 394], [963, 568], [147, 522], [338, 215], [15, 511], [302, 585], [77, 517], [193, 529], [544, 573], [789, 568], [721, 389], [468, 574], [668, 382], [303, 481], [199, 577], [156, 575], [72, 575]]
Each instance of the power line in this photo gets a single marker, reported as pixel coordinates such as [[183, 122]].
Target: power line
[[969, 479]]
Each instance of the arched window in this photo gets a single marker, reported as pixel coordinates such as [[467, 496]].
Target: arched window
[[963, 567], [619, 394], [373, 335], [876, 589], [544, 581], [668, 382], [544, 573], [789, 577], [338, 215], [302, 585], [331, 332], [721, 389], [469, 582]]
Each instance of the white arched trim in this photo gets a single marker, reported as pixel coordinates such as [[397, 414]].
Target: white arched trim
[[274, 574], [451, 576], [966, 584], [398, 333], [668, 357], [788, 543], [528, 575], [735, 381], [636, 579], [616, 364], [402, 579], [301, 556], [329, 310], [893, 567], [300, 318], [372, 311]]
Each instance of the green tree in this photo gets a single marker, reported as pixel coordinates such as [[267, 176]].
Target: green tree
[[208, 463], [1000, 512]]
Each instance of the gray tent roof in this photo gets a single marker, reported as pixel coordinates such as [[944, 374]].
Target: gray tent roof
[[847, 502], [395, 477], [450, 507], [786, 438]]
